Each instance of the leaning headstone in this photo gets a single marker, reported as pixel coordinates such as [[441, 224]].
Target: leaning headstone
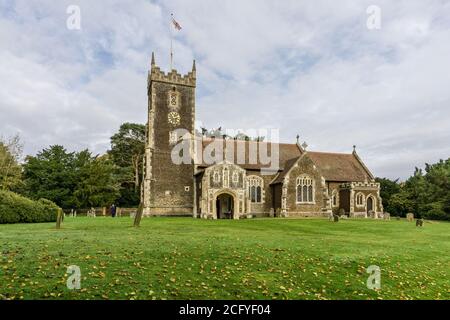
[[410, 217], [138, 217], [59, 219], [419, 223]]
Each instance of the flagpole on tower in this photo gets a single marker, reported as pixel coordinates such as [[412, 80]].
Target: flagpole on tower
[[176, 25], [171, 43]]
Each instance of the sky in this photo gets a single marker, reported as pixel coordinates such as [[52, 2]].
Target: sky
[[311, 68]]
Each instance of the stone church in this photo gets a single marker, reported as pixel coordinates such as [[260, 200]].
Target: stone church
[[304, 184]]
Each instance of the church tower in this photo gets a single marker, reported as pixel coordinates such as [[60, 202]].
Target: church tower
[[168, 188]]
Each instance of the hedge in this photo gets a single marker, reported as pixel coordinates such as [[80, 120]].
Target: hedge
[[17, 209]]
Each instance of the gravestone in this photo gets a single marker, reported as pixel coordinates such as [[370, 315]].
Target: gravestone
[[59, 219], [138, 217], [331, 216], [272, 213], [387, 216], [410, 217], [336, 218], [278, 213], [419, 223]]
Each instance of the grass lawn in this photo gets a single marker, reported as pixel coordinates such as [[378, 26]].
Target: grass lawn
[[183, 258]]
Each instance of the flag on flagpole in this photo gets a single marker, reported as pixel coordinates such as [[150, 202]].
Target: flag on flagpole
[[176, 24]]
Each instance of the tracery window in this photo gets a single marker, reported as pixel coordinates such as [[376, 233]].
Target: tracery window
[[305, 190], [255, 189]]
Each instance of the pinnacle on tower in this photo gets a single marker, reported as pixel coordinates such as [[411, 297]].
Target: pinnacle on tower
[[194, 67], [153, 59]]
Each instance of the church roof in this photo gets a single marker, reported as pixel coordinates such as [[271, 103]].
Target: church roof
[[286, 152], [340, 166], [337, 167]]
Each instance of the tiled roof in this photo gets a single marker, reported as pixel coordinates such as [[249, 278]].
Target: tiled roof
[[337, 167], [286, 152], [289, 164]]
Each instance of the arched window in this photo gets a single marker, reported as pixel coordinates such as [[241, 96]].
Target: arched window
[[334, 199], [305, 190], [255, 189], [360, 199], [258, 194]]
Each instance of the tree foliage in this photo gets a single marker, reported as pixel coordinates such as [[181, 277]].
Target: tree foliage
[[426, 193], [71, 180], [127, 153], [10, 169]]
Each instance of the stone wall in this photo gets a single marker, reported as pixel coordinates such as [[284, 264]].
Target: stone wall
[[304, 166], [168, 187]]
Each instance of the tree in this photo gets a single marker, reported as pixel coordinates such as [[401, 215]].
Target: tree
[[127, 153], [388, 188], [97, 186], [426, 193], [10, 169], [71, 180], [51, 174]]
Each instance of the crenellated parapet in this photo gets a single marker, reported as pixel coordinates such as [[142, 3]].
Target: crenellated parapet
[[172, 77], [360, 185]]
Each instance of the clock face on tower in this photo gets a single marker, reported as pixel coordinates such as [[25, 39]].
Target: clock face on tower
[[174, 118]]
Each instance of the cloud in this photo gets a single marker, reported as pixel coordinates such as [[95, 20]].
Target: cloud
[[307, 68]]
